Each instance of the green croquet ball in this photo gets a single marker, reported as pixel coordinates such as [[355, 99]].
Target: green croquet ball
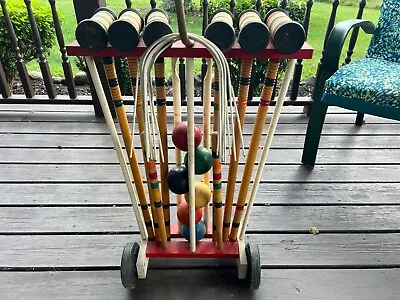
[[202, 160]]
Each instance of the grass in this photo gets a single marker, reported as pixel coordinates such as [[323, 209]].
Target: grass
[[319, 20]]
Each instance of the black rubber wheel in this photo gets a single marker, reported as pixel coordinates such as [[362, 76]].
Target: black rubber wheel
[[129, 274], [253, 275]]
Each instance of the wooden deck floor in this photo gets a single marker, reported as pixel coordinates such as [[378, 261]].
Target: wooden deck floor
[[65, 214]]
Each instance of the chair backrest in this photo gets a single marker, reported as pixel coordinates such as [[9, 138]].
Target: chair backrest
[[385, 42]]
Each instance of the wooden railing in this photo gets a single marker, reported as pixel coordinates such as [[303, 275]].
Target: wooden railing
[[85, 9]]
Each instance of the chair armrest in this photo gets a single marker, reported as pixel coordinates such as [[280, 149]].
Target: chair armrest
[[336, 39]]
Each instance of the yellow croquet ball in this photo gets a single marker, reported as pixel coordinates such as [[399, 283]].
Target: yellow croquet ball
[[202, 194]]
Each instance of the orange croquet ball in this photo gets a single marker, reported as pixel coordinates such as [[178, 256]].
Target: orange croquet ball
[[183, 213], [202, 194], [180, 138]]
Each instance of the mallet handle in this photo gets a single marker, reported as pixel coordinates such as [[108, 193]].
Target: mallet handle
[[267, 143], [117, 145], [245, 75], [217, 192], [159, 68], [133, 71], [126, 134], [261, 117]]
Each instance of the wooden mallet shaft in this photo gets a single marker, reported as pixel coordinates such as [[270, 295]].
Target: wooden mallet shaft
[[133, 71], [126, 135], [159, 70], [157, 202], [245, 75], [217, 192], [261, 117], [216, 99]]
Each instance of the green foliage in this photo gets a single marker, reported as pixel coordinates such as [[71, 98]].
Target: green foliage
[[19, 18], [124, 79], [296, 10], [190, 7]]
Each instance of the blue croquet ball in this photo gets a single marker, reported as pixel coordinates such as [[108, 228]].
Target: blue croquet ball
[[200, 231]]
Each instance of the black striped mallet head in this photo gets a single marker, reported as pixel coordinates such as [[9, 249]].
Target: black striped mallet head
[[157, 26], [91, 34], [220, 31], [254, 35], [287, 35], [124, 33]]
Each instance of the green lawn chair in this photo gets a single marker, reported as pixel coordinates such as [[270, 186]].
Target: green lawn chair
[[369, 85]]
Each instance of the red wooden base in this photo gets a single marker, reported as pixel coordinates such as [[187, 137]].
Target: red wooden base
[[181, 249], [205, 248]]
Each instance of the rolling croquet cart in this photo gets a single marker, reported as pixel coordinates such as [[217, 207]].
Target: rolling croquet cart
[[103, 37]]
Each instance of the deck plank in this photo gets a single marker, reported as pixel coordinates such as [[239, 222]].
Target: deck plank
[[277, 251], [103, 141], [274, 193], [287, 116], [264, 218], [96, 128], [205, 284], [40, 173], [276, 156]]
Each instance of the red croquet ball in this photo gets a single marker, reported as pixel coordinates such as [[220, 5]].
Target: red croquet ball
[[179, 136], [183, 213]]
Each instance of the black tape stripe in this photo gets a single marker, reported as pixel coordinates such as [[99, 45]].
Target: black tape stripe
[[226, 224], [160, 81], [148, 224], [217, 204], [167, 223], [113, 82], [269, 81], [144, 206], [236, 225], [156, 225], [245, 81], [165, 206], [157, 204], [161, 102], [118, 103]]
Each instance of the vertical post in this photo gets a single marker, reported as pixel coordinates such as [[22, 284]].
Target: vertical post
[[204, 61], [84, 10], [21, 66], [153, 3], [182, 78], [299, 64], [335, 4], [191, 172], [44, 66], [4, 86], [128, 3], [69, 78], [354, 34]]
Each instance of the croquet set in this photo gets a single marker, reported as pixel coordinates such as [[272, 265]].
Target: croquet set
[[198, 177]]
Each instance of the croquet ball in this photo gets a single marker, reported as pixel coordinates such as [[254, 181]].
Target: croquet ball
[[200, 231], [202, 194], [202, 160], [180, 139], [177, 180], [183, 213]]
